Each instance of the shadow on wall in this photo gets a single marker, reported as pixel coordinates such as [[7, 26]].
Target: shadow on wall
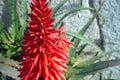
[[6, 14]]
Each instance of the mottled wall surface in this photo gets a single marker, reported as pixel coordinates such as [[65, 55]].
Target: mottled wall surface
[[104, 33], [5, 13], [111, 31]]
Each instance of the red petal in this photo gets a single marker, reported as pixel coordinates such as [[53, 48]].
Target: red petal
[[40, 3], [54, 65], [43, 1], [45, 59], [33, 14], [46, 4], [56, 76], [40, 67], [51, 76], [36, 10], [35, 2], [35, 50], [48, 12], [46, 73], [50, 22], [61, 75]]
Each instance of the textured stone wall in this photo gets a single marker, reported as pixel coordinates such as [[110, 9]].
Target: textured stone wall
[[5, 13], [111, 32], [105, 28]]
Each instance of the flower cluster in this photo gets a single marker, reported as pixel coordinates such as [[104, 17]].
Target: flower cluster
[[46, 49]]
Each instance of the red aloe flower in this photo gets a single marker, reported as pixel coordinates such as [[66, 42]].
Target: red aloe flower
[[46, 49]]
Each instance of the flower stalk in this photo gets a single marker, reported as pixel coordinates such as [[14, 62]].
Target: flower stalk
[[46, 49]]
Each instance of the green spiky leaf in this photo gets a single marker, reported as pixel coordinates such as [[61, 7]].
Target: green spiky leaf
[[14, 17], [89, 42], [84, 29], [98, 66], [70, 12], [59, 6]]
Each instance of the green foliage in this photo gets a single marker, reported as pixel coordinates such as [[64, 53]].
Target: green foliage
[[90, 65], [68, 13], [84, 29], [1, 24], [81, 37], [14, 18], [97, 66], [11, 40], [59, 6], [25, 18], [9, 67]]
